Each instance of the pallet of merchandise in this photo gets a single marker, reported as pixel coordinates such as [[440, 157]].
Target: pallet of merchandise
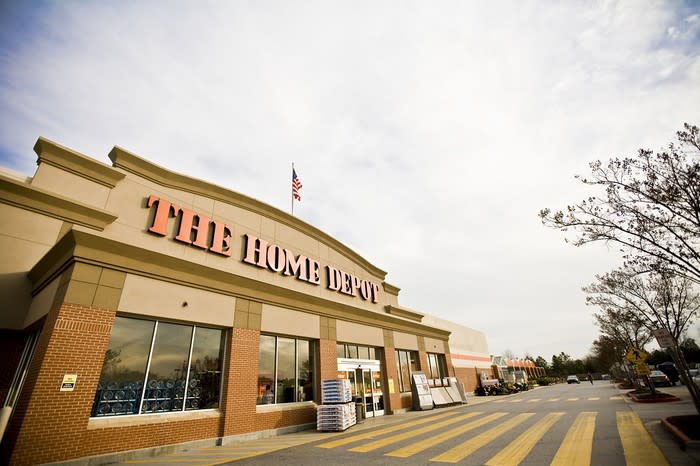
[[335, 417], [336, 391]]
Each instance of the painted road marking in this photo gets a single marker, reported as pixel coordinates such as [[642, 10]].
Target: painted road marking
[[518, 449], [640, 449], [616, 397], [534, 400], [594, 398], [515, 401], [553, 399], [572, 399], [460, 452], [374, 433], [576, 448], [437, 439], [412, 433]]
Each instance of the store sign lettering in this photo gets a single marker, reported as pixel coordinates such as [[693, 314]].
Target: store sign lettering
[[204, 233], [194, 229], [259, 252]]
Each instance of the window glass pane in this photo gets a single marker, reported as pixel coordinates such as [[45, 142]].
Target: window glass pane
[[398, 369], [266, 370], [305, 365], [405, 372], [340, 350], [205, 369], [352, 351], [171, 351], [373, 353], [286, 372], [432, 363], [363, 352], [124, 368], [414, 361]]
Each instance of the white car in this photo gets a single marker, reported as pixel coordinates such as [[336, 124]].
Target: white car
[[572, 379]]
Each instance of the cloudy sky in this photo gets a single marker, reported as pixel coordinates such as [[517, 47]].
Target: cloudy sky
[[427, 135]]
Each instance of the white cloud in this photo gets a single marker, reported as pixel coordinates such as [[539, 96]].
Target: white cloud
[[427, 136]]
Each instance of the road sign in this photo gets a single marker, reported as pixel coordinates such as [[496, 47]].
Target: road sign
[[636, 355], [642, 369], [664, 338]]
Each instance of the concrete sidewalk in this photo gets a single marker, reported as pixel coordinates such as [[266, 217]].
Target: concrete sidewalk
[[651, 415]]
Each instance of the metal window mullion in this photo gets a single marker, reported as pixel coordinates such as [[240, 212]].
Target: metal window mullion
[[189, 365], [222, 353], [21, 371], [274, 379], [296, 369], [148, 366]]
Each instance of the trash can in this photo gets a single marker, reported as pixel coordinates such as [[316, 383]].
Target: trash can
[[359, 410]]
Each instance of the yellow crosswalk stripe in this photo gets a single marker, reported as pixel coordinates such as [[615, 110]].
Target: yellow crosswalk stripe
[[553, 399], [639, 448], [465, 449], [386, 430], [534, 400], [594, 398], [576, 448], [572, 399], [518, 449], [515, 401], [616, 397], [413, 433], [437, 439]]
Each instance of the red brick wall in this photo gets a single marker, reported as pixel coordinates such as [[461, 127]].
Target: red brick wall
[[423, 363], [241, 386], [469, 377], [49, 425], [391, 400], [328, 366]]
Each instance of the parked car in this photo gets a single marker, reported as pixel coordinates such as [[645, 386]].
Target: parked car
[[658, 378], [670, 370], [572, 379]]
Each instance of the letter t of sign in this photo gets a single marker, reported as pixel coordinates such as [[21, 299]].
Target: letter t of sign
[[160, 219]]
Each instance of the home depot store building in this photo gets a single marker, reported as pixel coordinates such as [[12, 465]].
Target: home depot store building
[[143, 308]]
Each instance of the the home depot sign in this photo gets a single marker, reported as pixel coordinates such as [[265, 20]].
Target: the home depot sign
[[214, 236]]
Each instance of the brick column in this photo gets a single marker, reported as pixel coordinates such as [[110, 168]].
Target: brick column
[[50, 425], [239, 393], [392, 401], [328, 361], [240, 385]]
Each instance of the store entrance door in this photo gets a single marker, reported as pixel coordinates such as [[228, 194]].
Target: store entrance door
[[365, 383], [372, 391]]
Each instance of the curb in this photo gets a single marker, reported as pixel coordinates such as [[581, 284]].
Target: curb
[[683, 440], [662, 400]]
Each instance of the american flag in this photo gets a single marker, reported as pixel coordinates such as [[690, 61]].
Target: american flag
[[296, 185]]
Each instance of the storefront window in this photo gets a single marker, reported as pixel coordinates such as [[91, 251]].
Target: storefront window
[[146, 368], [285, 370], [406, 361], [437, 366], [305, 371], [344, 350]]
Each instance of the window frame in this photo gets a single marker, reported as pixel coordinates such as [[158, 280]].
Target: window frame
[[297, 385], [141, 393], [411, 359]]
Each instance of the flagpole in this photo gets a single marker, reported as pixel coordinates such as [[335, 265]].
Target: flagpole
[[292, 187]]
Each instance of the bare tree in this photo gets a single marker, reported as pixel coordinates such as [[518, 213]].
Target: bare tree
[[653, 300], [650, 207]]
